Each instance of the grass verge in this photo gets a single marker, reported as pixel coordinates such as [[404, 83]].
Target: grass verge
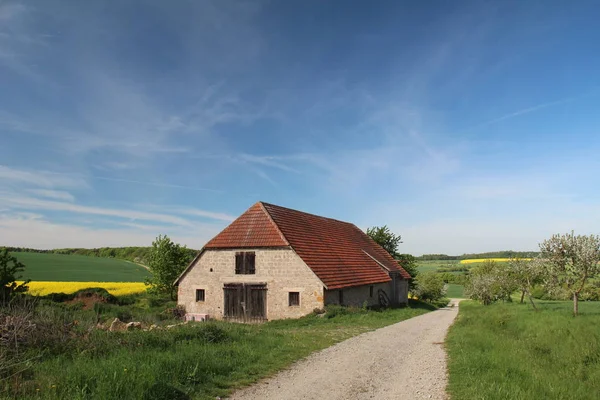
[[508, 351], [196, 361]]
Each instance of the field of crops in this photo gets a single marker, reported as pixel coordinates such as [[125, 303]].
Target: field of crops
[[481, 260], [76, 268], [41, 288]]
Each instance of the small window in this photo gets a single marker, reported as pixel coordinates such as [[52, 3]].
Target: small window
[[371, 291], [294, 299], [341, 294], [244, 263], [199, 294]]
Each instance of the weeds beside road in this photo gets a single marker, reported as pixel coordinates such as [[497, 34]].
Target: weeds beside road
[[200, 361]]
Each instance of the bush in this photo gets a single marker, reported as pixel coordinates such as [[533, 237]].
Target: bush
[[429, 286]]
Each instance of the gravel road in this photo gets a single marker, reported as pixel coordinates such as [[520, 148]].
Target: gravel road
[[401, 361]]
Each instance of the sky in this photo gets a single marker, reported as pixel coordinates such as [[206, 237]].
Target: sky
[[463, 126]]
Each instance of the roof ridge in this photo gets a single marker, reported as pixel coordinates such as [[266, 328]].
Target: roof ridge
[[262, 206], [304, 212]]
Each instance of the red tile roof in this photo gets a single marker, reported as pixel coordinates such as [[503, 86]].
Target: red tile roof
[[338, 252], [254, 228]]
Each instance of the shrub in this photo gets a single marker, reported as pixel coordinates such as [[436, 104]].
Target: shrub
[[429, 286]]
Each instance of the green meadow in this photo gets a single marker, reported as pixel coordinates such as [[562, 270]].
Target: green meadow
[[77, 268], [508, 351]]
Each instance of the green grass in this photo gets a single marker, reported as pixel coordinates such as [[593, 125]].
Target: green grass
[[434, 265], [60, 267], [455, 291], [508, 351], [202, 360]]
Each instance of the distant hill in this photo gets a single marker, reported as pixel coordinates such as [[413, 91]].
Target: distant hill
[[134, 254], [492, 254]]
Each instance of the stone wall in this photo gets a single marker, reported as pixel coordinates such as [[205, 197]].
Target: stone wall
[[281, 269], [357, 295]]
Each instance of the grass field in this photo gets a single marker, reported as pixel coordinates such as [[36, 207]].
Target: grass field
[[508, 351], [455, 291], [202, 360], [60, 267]]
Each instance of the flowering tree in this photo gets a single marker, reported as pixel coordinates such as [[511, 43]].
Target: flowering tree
[[571, 261], [490, 282], [526, 273]]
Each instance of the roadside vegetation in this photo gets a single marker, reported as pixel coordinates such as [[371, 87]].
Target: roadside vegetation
[[75, 356], [509, 351], [91, 344]]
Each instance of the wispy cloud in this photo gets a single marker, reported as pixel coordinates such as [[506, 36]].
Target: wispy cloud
[[47, 235], [200, 213], [39, 204], [535, 108], [40, 178], [157, 184], [53, 194]]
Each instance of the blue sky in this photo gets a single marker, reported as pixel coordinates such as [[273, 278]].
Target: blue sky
[[463, 126]]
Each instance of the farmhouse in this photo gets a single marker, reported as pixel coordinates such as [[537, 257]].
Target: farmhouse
[[274, 262]]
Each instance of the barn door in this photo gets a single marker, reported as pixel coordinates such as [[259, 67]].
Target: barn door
[[245, 302]]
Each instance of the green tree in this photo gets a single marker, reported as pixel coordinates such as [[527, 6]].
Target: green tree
[[167, 260], [571, 261], [410, 265], [10, 267], [429, 286], [490, 281], [385, 238]]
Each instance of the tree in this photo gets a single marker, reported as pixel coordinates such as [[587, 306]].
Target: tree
[[385, 238], [410, 265], [490, 282], [429, 286], [9, 268], [167, 260], [526, 274], [389, 241], [571, 261]]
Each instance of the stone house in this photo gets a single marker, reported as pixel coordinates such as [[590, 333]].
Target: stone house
[[274, 262]]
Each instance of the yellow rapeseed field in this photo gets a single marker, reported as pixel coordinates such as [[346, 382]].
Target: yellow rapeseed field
[[42, 288], [480, 260]]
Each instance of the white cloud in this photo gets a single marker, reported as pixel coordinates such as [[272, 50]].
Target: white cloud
[[38, 204], [40, 178], [53, 194], [46, 235], [199, 213]]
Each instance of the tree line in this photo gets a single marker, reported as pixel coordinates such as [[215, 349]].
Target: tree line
[[471, 256], [138, 254]]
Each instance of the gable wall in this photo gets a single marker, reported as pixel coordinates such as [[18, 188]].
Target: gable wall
[[281, 269]]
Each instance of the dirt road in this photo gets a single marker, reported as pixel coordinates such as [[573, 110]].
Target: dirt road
[[401, 361]]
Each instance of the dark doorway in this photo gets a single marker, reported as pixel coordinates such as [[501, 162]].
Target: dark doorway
[[245, 302]]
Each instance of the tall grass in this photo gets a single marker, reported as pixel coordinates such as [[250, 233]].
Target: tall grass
[[199, 360], [508, 351]]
